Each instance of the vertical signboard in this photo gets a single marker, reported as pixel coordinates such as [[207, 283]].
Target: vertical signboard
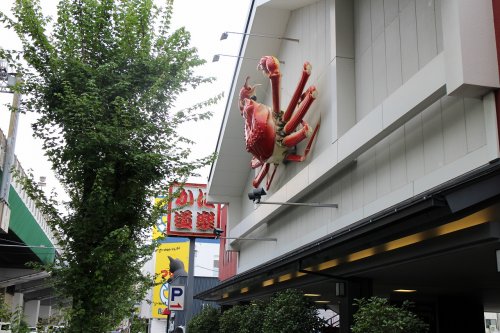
[[177, 251], [189, 213]]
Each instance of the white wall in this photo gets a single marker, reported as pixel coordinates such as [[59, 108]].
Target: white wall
[[158, 326], [205, 256], [394, 41]]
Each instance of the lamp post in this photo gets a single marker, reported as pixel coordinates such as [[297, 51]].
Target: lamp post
[[226, 34], [217, 58], [7, 81], [257, 193]]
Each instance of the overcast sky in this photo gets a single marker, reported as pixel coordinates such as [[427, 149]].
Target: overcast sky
[[206, 20]]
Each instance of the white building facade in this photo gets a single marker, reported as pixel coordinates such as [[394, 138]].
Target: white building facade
[[408, 148]]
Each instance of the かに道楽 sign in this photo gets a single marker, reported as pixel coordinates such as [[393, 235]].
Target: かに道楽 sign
[[189, 213]]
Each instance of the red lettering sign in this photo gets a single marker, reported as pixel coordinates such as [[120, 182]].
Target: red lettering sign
[[190, 213]]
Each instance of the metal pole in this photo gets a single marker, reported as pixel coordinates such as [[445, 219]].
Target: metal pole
[[190, 283], [251, 239], [216, 58], [10, 146], [265, 36], [312, 204]]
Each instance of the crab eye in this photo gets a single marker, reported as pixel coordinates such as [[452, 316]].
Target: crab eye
[[253, 98]]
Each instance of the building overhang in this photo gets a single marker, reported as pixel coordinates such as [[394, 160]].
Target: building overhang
[[435, 227]]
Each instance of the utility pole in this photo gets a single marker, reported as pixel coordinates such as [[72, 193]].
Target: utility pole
[[190, 282], [8, 81]]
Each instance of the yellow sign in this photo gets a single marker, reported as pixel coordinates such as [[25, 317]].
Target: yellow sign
[[160, 229], [178, 251]]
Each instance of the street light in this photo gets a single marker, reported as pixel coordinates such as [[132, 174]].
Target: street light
[[218, 232], [257, 193], [3, 69], [217, 58], [8, 80], [225, 35]]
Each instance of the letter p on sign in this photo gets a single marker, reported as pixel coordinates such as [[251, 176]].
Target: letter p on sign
[[176, 298]]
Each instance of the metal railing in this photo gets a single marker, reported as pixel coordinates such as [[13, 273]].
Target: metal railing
[[28, 202]]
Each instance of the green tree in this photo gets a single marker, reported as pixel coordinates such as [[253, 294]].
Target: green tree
[[5, 312], [207, 321], [138, 325], [290, 312], [16, 317], [104, 77], [19, 325], [253, 316], [376, 315], [231, 320]]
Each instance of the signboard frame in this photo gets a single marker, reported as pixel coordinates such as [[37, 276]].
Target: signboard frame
[[193, 199]]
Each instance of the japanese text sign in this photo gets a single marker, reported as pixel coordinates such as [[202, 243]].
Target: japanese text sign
[[189, 213]]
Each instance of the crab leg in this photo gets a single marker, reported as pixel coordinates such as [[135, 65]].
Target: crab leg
[[270, 180], [296, 137], [308, 97], [271, 67], [255, 163], [301, 158], [306, 72], [262, 173]]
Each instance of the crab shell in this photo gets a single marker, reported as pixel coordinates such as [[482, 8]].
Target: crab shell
[[260, 134]]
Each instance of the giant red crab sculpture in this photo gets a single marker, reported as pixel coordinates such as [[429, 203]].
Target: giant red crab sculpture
[[271, 136]]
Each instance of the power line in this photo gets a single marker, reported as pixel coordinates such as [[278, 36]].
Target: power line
[[208, 269], [10, 241], [31, 246]]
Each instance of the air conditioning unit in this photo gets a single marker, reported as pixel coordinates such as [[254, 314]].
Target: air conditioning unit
[[4, 216]]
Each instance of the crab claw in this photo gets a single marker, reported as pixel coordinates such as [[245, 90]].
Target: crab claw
[[247, 91], [270, 66]]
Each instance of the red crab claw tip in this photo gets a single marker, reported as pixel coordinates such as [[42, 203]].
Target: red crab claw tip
[[246, 91], [307, 67], [269, 65], [313, 92], [261, 66]]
